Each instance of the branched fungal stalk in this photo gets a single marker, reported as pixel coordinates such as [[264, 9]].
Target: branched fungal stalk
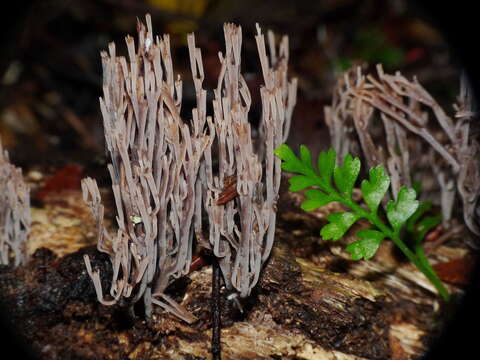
[[162, 169], [393, 120], [14, 212], [242, 226], [335, 183], [155, 158]]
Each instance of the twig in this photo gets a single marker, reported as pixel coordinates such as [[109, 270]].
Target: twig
[[216, 312], [430, 247]]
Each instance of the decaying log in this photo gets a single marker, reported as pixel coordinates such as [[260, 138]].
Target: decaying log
[[311, 303]]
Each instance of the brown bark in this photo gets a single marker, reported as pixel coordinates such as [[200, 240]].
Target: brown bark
[[311, 302]]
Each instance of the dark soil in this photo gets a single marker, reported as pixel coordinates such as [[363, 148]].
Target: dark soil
[[53, 304]]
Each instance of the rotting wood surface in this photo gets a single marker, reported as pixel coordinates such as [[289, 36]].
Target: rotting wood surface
[[311, 303]]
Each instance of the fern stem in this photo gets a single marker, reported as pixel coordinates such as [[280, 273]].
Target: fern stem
[[419, 258], [423, 265]]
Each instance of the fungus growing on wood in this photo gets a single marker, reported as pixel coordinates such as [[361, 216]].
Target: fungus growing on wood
[[242, 222], [14, 212], [155, 157], [384, 117], [162, 170]]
